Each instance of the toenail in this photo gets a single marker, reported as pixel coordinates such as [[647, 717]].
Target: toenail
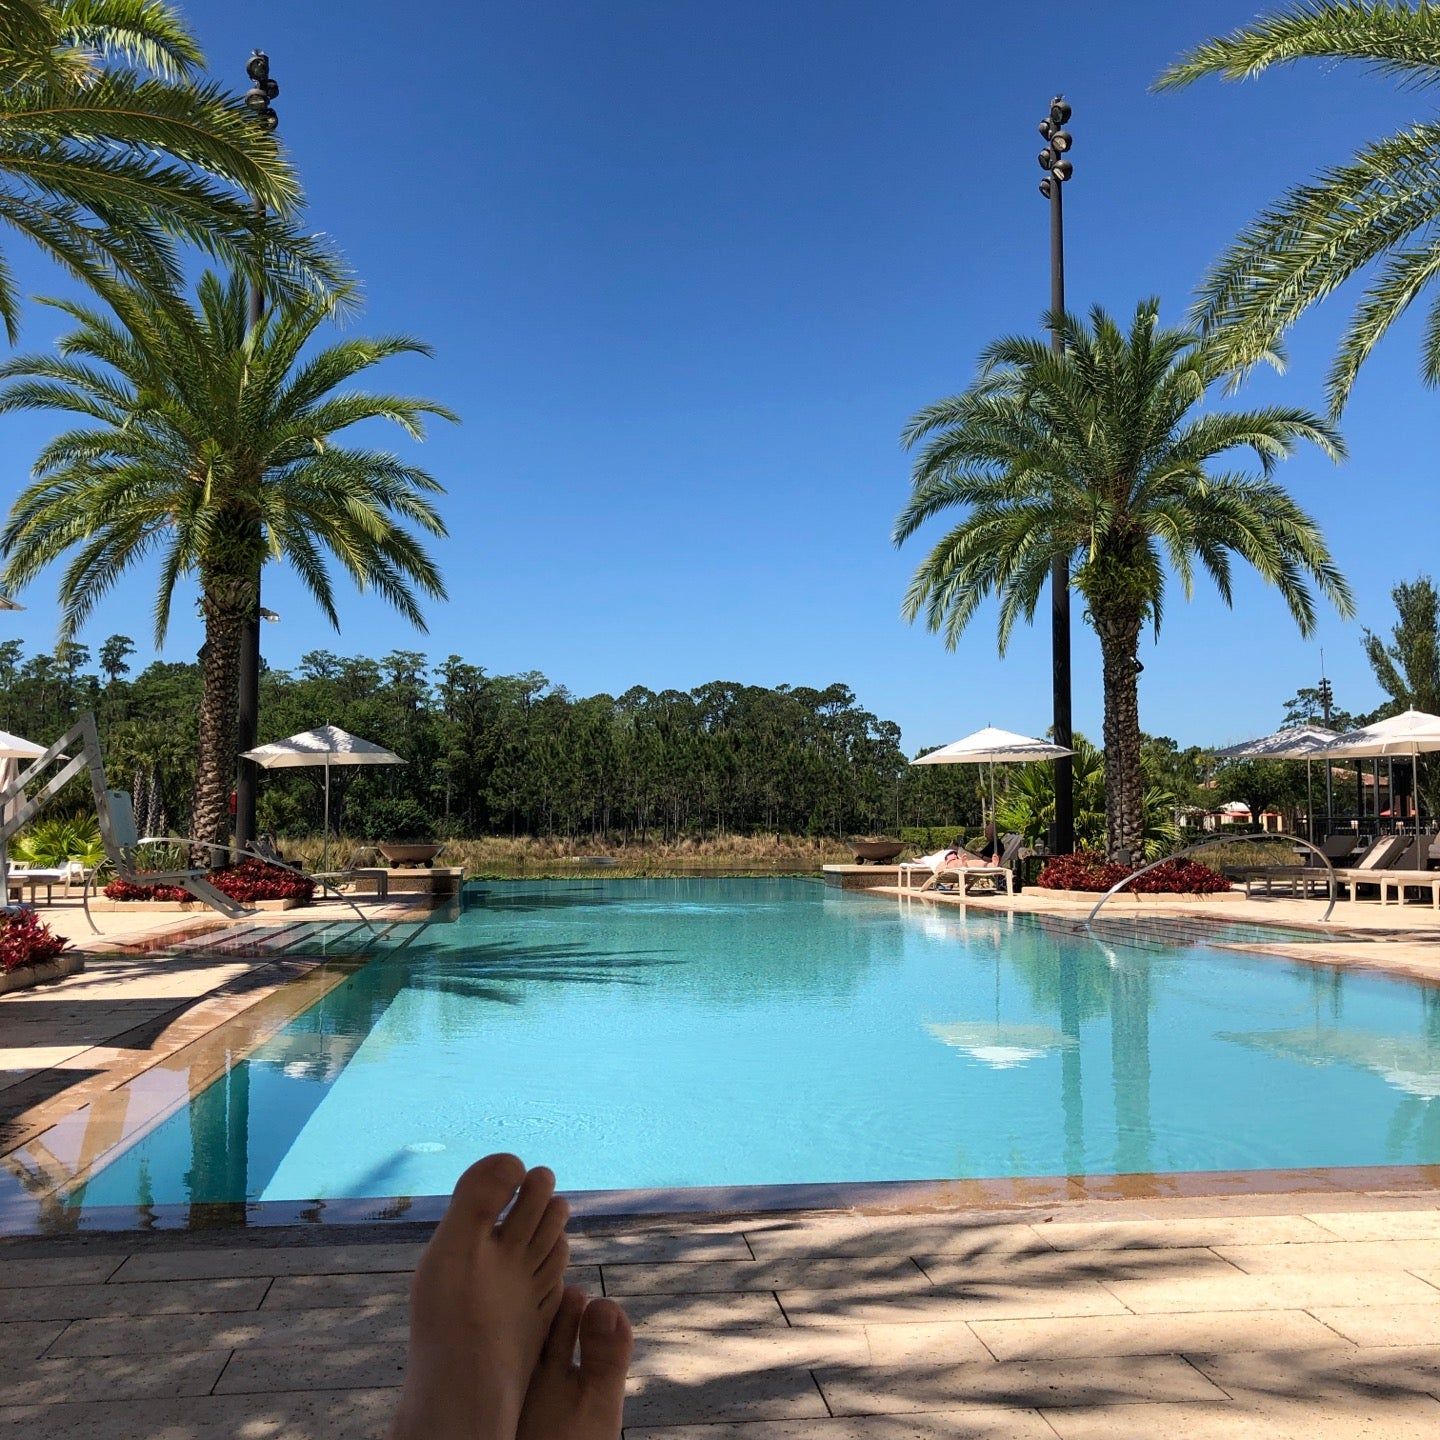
[[606, 1321]]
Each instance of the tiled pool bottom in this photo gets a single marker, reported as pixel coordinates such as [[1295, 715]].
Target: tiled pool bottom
[[710, 1036]]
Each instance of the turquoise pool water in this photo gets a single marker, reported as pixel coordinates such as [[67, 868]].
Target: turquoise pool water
[[687, 1032]]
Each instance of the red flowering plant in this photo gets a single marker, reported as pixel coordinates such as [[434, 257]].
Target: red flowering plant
[[1087, 870], [247, 883], [1181, 877], [26, 940], [1090, 871]]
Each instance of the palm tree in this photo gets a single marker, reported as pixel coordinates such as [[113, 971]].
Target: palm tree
[[1027, 805], [1093, 456], [1381, 208], [111, 150], [212, 446]]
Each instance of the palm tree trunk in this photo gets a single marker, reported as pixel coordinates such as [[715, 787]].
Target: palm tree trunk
[[224, 608], [1124, 780]]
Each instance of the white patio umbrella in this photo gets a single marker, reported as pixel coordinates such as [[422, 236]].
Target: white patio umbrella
[[992, 746], [1413, 733], [1296, 742], [327, 746]]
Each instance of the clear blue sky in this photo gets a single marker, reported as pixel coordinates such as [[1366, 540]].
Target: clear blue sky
[[688, 267]]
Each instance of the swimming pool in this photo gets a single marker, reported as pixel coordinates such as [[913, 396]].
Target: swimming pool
[[713, 1032]]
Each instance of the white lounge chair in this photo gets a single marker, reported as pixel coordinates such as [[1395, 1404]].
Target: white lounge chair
[[21, 877], [937, 871]]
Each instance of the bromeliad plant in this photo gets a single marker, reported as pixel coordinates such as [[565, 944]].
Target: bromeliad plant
[[1098, 456], [26, 940], [1091, 872], [248, 882]]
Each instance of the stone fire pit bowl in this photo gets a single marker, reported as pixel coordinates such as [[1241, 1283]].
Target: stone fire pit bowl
[[877, 852], [400, 855]]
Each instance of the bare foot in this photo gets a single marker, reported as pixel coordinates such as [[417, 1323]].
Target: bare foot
[[585, 1401], [481, 1304]]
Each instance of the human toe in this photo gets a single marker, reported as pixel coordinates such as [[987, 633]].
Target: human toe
[[606, 1343], [551, 1227], [530, 1205], [564, 1332], [482, 1193]]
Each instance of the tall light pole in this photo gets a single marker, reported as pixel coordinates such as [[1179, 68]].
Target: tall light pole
[[262, 91], [1055, 161]]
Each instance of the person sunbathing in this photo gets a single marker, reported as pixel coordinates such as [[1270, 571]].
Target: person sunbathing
[[964, 859], [494, 1328]]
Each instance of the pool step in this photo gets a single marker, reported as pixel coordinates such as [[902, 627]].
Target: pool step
[[297, 937]]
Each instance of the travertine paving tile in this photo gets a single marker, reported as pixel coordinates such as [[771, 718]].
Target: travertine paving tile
[[57, 1270], [128, 1377], [884, 1272], [874, 1305], [782, 1237], [156, 1334], [1382, 1224], [342, 1366], [701, 1355], [1182, 1233], [654, 1246], [1335, 1257], [979, 1423], [297, 1292], [1198, 1421], [1334, 1374], [1273, 1292], [1383, 1324], [320, 1415], [1062, 1268], [28, 1340], [269, 1260], [768, 1395], [1027, 1384], [936, 1342], [79, 1302], [1087, 1335], [714, 1312]]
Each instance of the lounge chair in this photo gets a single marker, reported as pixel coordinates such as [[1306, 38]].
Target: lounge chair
[[21, 877], [123, 845], [1340, 847], [1383, 855], [959, 874], [1407, 872]]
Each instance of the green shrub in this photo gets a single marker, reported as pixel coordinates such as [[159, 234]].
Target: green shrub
[[52, 843], [931, 837]]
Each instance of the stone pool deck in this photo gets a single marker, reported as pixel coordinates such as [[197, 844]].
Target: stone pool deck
[[1251, 1318]]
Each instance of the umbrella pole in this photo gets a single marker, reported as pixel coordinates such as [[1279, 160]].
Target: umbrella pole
[[325, 832], [1420, 856], [1310, 798]]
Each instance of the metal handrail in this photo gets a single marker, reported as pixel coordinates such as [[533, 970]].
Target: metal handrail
[[1225, 840]]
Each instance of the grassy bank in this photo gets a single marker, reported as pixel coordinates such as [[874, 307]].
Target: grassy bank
[[501, 859]]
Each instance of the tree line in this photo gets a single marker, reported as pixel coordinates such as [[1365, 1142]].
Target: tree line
[[506, 754], [519, 755]]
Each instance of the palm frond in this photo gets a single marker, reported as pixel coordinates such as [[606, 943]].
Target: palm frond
[[1397, 39]]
